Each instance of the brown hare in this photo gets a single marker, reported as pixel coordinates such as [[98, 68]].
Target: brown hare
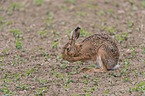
[[98, 49]]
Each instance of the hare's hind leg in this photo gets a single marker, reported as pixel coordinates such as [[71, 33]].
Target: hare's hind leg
[[100, 59], [102, 69]]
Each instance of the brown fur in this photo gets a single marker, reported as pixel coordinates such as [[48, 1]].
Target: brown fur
[[97, 48]]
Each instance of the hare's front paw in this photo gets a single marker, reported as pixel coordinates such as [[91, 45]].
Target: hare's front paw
[[70, 59]]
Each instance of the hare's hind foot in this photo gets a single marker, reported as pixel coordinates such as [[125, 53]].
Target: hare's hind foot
[[92, 70], [84, 70], [95, 70]]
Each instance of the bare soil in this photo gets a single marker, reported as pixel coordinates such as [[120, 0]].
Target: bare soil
[[33, 32]]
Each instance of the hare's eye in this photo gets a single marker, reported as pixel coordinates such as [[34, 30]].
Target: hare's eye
[[67, 49]]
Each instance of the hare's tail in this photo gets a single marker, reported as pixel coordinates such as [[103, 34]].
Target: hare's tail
[[116, 66]]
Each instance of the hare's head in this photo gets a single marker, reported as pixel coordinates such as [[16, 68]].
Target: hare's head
[[71, 49]]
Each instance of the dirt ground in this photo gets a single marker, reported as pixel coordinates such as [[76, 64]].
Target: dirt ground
[[33, 32]]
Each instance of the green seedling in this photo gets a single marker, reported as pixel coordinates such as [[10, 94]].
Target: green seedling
[[71, 1], [86, 81], [1, 59], [132, 52], [42, 32], [28, 72], [65, 8], [106, 91], [130, 23], [140, 87], [6, 51], [96, 81], [130, 30], [134, 7], [4, 75], [126, 63], [66, 88], [39, 2], [103, 26], [11, 8], [15, 6], [17, 34], [126, 79], [85, 33], [3, 23], [17, 77], [101, 13], [135, 73], [7, 91], [90, 6], [18, 44], [115, 4], [55, 43], [143, 52], [81, 14], [111, 12], [116, 75], [48, 20], [123, 36], [22, 86], [112, 31], [41, 91], [143, 4], [44, 53]]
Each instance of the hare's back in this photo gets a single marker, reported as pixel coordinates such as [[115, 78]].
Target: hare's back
[[98, 40]]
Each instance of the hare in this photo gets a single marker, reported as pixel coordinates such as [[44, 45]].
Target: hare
[[98, 49]]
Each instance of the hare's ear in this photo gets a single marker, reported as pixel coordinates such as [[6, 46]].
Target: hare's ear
[[75, 34]]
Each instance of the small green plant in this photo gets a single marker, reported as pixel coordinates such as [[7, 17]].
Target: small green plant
[[106, 91], [16, 77], [126, 79], [126, 63], [121, 37], [71, 1], [84, 33], [65, 8], [18, 44], [15, 6], [143, 4], [4, 75], [55, 43], [96, 81], [132, 52], [101, 13], [143, 48], [130, 30], [7, 91], [1, 59], [91, 6], [130, 23], [103, 26], [28, 72], [81, 14], [140, 87], [3, 23], [42, 32], [48, 20], [39, 2], [41, 91], [17, 34], [11, 8], [112, 31], [22, 86], [111, 12], [6, 51]]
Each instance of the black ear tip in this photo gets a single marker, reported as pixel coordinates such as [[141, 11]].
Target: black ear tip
[[78, 28]]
